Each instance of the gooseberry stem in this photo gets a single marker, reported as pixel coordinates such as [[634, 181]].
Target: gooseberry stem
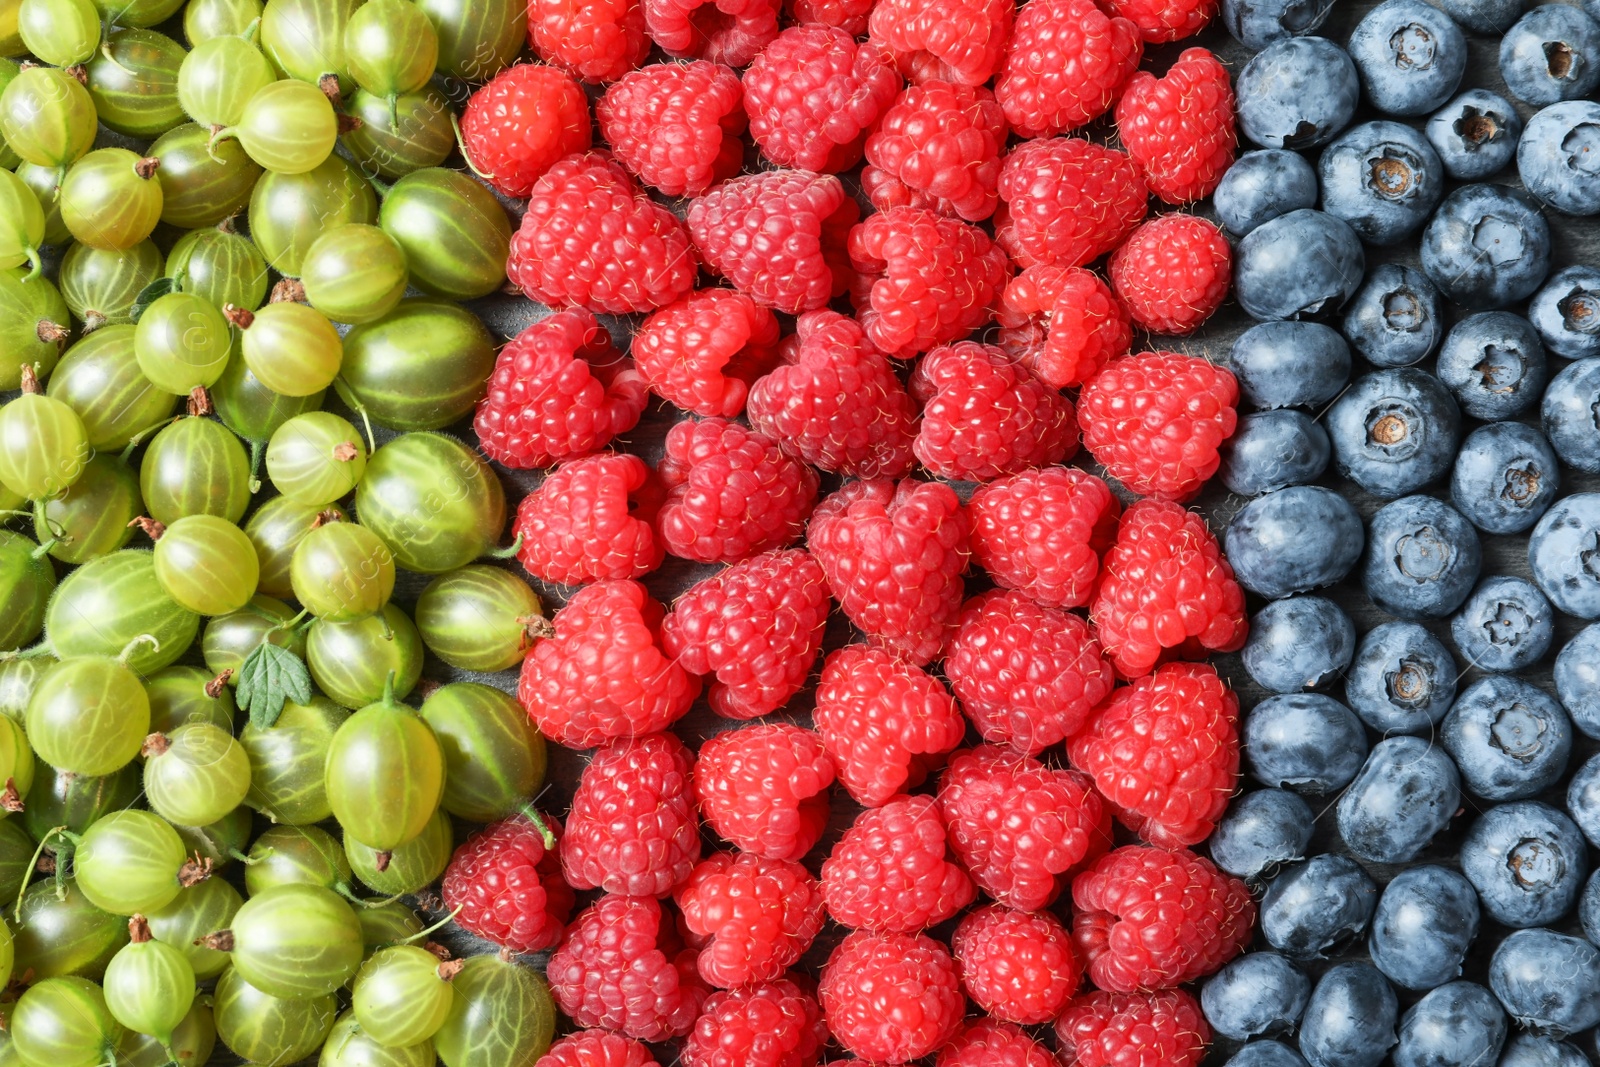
[[533, 815], [509, 552], [441, 924], [44, 839], [257, 450], [43, 648], [143, 639]]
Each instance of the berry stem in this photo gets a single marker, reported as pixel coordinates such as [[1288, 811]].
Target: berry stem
[[44, 839], [143, 639]]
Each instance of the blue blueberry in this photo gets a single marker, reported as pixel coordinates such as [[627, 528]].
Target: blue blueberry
[[1410, 57], [1564, 555], [1493, 364], [1547, 981], [1422, 558], [1532, 1050], [1505, 477], [1300, 265], [1315, 906], [1266, 1054], [1304, 741], [1423, 927], [1589, 909], [1261, 831], [1490, 17], [1262, 185], [1570, 414], [1403, 679], [1406, 793], [1258, 993], [1293, 540], [1509, 739], [1487, 246], [1297, 92], [1549, 55], [1527, 861], [1299, 643], [1577, 680], [1257, 23], [1555, 157], [1456, 1025], [1272, 450], [1583, 800], [1475, 135], [1566, 312], [1290, 364], [1506, 625], [1349, 1020], [1383, 178], [1394, 321], [1394, 431]]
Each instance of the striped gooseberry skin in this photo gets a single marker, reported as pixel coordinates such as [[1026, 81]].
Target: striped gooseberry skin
[[290, 211], [262, 1028], [103, 606], [65, 934], [305, 39], [198, 190], [455, 234], [417, 863], [43, 445], [99, 378], [64, 1020], [402, 995], [91, 519], [195, 466], [133, 82], [110, 199], [351, 661], [296, 941], [296, 855], [47, 117], [494, 756], [423, 366], [288, 762], [477, 38], [128, 862], [202, 908], [221, 267], [478, 618], [276, 529], [199, 777], [384, 775], [316, 457], [26, 305], [421, 137], [434, 501], [503, 1014]]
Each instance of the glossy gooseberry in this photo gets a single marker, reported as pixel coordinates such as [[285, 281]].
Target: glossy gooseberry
[[220, 841], [219, 266], [191, 1043], [454, 232], [63, 33], [349, 661], [43, 443], [253, 411], [114, 606], [402, 994], [431, 499], [92, 519], [502, 1013], [408, 867], [33, 325], [305, 38], [276, 529], [423, 366], [355, 273], [181, 696], [133, 81], [88, 716], [385, 775], [131, 862], [61, 933], [149, 985], [479, 618], [289, 211], [47, 117], [75, 801], [207, 565], [205, 19], [477, 38], [64, 1022], [219, 77], [183, 342], [21, 224], [195, 775], [202, 184], [18, 679], [296, 855], [316, 458], [382, 925], [292, 349], [26, 581], [350, 1046], [417, 135], [288, 762], [100, 285], [265, 1029], [99, 378], [230, 638], [196, 911], [494, 756], [288, 127], [341, 571], [391, 48], [195, 466], [296, 940], [110, 198], [46, 185]]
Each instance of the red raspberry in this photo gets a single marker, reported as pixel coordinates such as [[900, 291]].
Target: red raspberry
[[1016, 965], [1165, 752], [703, 352], [1042, 533], [632, 829], [848, 15], [1148, 918], [1179, 128], [621, 968], [1067, 201], [590, 238], [889, 871], [515, 128], [943, 40], [604, 675], [884, 721], [1165, 20], [1028, 676], [985, 415], [731, 492], [1018, 825], [1065, 64], [992, 1044], [778, 236], [835, 401], [1162, 1029], [765, 788], [580, 524], [894, 555], [923, 279], [596, 1048], [1062, 323], [559, 390], [1173, 273], [752, 918], [723, 31], [506, 881], [757, 626], [938, 147], [772, 1025], [676, 125], [594, 40], [812, 95], [891, 998]]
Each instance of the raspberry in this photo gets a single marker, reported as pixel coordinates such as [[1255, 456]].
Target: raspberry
[[893, 554], [594, 40], [757, 626], [1018, 825], [1164, 752], [676, 125], [1016, 965], [731, 492], [848, 15], [560, 389], [723, 31], [985, 415], [938, 147], [1165, 20], [506, 881], [943, 40], [812, 95], [1028, 676], [1179, 128], [620, 968], [778, 236], [632, 829], [835, 402], [992, 1044], [580, 525], [752, 918], [1066, 201], [518, 125], [1065, 64], [1062, 323], [1162, 1029], [891, 998], [590, 238], [883, 721], [1148, 918], [1172, 273], [889, 872], [765, 788], [772, 1025], [596, 1048], [1155, 421], [1042, 533], [703, 352], [603, 675], [923, 279]]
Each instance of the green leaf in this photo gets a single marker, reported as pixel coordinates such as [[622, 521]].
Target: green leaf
[[150, 294], [269, 676]]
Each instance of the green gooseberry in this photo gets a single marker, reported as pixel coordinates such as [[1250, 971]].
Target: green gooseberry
[[418, 135], [455, 234], [195, 466], [61, 932], [296, 855], [46, 185], [195, 775], [342, 572], [110, 198], [276, 530], [289, 211], [16, 858], [16, 761], [21, 224], [202, 184], [221, 841], [64, 1022], [316, 458], [18, 679], [207, 565], [138, 13], [33, 326], [355, 273], [221, 267], [292, 349], [113, 606], [131, 862], [423, 366], [480, 618], [402, 994], [435, 502], [205, 19], [494, 756], [182, 342], [348, 1045], [384, 775], [219, 77], [47, 117], [99, 378], [195, 912], [502, 1013], [43, 443], [288, 761], [181, 696], [265, 1029], [133, 80], [408, 868], [63, 33], [382, 925], [100, 285], [253, 411], [149, 984], [26, 581], [305, 38], [477, 38], [88, 716], [230, 638], [350, 661], [288, 127], [93, 518], [391, 48], [74, 801], [296, 941], [191, 1044]]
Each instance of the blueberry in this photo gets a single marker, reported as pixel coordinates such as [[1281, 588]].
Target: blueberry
[[1549, 55], [1383, 178], [1272, 450], [1527, 861], [1483, 16], [1589, 909], [1300, 265], [1423, 927], [1577, 680], [1487, 246], [1266, 1054], [1300, 643], [1257, 23], [1262, 185], [1260, 831], [1293, 540], [1394, 431], [1475, 135], [1493, 364], [1298, 92], [1505, 625], [1510, 739], [1394, 321], [1304, 741], [1456, 1025], [1259, 993], [1410, 57], [1290, 364], [1531, 1050], [1406, 793], [1564, 555], [1583, 800], [1570, 414], [1403, 679], [1422, 558], [1505, 477], [1314, 906], [1349, 1020], [1566, 312], [1556, 154], [1547, 981]]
